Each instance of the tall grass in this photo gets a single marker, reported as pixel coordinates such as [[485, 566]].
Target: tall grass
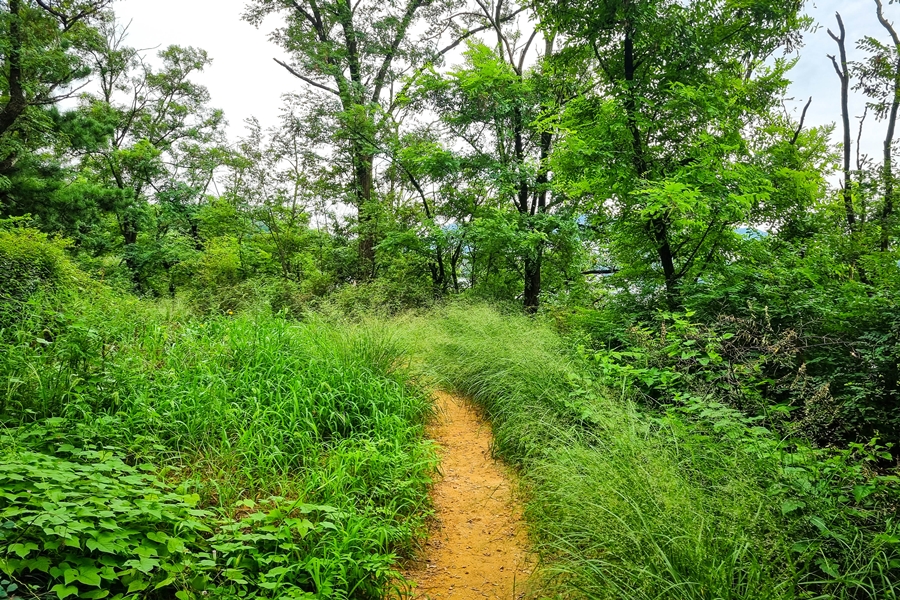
[[623, 504], [237, 408]]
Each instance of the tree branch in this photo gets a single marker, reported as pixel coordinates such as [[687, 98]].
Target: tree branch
[[411, 9], [294, 72], [802, 118], [472, 32], [603, 271]]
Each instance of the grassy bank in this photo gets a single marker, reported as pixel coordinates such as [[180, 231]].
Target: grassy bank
[[147, 451], [628, 503]]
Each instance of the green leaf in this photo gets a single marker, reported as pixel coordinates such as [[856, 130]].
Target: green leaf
[[23, 550], [143, 564], [89, 575], [235, 575], [861, 492], [40, 563], [175, 545], [165, 582], [200, 582], [158, 536], [789, 506], [64, 591], [138, 585]]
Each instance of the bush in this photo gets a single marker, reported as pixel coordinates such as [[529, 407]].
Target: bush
[[30, 261]]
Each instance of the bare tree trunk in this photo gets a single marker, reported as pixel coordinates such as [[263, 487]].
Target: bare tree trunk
[[533, 265], [129, 227], [531, 299], [454, 261], [843, 73], [887, 209]]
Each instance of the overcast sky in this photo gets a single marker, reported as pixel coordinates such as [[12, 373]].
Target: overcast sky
[[245, 81]]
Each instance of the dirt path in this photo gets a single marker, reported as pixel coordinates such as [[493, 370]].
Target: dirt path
[[477, 548]]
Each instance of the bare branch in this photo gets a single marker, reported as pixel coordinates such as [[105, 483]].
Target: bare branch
[[399, 36], [294, 72], [859, 157], [525, 50], [472, 32], [802, 119], [604, 271], [887, 24]]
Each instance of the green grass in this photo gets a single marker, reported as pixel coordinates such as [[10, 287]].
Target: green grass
[[628, 504], [232, 410], [147, 451]]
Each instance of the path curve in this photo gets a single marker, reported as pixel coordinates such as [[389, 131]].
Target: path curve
[[477, 547]]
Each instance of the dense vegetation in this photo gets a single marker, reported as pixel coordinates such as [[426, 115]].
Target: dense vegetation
[[676, 302], [147, 449]]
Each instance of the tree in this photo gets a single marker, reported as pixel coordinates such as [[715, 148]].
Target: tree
[[500, 105], [354, 55], [44, 60], [42, 48], [660, 148], [879, 79], [349, 51], [165, 143]]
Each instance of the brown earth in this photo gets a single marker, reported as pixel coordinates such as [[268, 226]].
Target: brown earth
[[477, 547]]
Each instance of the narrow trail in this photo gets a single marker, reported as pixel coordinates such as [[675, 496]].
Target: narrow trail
[[478, 546]]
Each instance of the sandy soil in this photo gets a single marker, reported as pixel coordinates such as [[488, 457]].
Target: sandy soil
[[478, 545]]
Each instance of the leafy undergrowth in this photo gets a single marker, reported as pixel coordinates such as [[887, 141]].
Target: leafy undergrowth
[[148, 453], [687, 501]]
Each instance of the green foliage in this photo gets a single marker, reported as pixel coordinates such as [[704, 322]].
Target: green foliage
[[91, 526], [692, 500], [30, 261], [244, 456], [83, 523], [721, 423]]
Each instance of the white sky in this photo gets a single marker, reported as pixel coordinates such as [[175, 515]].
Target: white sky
[[245, 81]]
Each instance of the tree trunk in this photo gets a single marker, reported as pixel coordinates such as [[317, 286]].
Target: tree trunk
[[533, 265], [887, 209], [366, 218], [454, 261], [17, 103], [667, 260], [533, 280], [844, 74], [129, 237]]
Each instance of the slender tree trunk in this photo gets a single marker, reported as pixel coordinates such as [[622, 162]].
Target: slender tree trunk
[[441, 283], [843, 73], [454, 261], [364, 176], [667, 260], [533, 280], [887, 209], [129, 237], [533, 264]]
